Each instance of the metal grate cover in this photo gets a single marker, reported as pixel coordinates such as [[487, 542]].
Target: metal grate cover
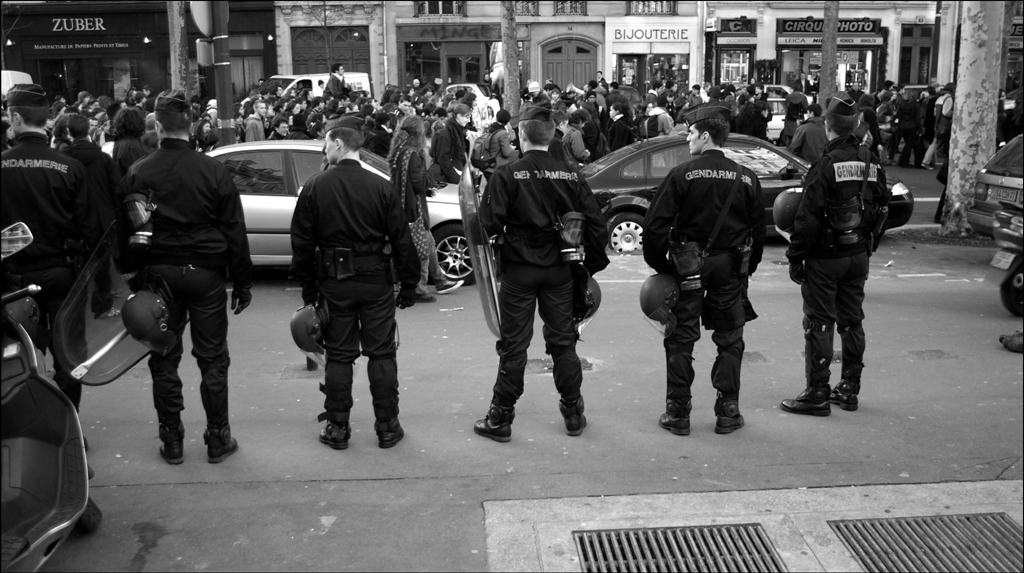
[[976, 542], [739, 547]]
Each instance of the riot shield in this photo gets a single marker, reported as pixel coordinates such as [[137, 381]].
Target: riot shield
[[480, 253], [89, 337]]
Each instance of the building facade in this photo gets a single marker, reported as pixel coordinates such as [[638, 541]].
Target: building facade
[[105, 49]]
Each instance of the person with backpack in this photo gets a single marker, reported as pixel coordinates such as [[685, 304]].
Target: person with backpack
[[572, 140], [658, 121], [494, 148], [619, 133]]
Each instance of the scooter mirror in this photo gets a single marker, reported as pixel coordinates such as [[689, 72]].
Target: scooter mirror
[[14, 238]]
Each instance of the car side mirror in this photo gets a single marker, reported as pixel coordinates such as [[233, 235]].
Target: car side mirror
[[788, 172]]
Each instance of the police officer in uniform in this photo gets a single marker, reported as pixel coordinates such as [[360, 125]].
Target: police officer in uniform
[[843, 205], [198, 238], [525, 202], [48, 191], [346, 228], [686, 208]]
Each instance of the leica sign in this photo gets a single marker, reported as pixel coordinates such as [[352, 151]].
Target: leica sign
[[815, 26]]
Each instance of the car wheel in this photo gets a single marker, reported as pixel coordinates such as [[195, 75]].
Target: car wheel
[[1012, 295], [453, 253], [626, 232]]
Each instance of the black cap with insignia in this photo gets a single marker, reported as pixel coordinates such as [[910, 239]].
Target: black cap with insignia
[[539, 111], [173, 101], [842, 104], [27, 95], [708, 112]]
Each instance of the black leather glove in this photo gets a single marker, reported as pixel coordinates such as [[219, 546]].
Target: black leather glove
[[240, 298], [309, 293], [797, 273], [406, 297]]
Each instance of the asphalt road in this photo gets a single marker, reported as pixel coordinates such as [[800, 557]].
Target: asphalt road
[[941, 402]]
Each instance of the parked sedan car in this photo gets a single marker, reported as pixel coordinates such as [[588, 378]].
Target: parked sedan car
[[1002, 179], [624, 181], [269, 175]]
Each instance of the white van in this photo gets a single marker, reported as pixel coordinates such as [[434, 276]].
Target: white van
[[12, 78], [356, 80]]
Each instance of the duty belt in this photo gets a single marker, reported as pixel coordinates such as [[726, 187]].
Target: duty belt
[[340, 263]]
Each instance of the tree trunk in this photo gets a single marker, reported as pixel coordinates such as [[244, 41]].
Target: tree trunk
[[510, 49], [178, 36], [829, 47], [977, 92]]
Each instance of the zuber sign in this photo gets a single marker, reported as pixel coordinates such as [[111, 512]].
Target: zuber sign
[[805, 26], [78, 25]]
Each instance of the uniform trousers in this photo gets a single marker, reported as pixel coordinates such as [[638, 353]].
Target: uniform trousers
[[56, 283], [361, 314], [719, 305], [834, 295], [199, 296], [524, 288]]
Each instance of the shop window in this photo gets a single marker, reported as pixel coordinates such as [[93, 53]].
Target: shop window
[[570, 8], [246, 72], [423, 61], [647, 8], [440, 8], [118, 75], [257, 173], [735, 66]]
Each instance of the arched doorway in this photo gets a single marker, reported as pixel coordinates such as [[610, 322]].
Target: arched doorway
[[350, 47], [569, 61]]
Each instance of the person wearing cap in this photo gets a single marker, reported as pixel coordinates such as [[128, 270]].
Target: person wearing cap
[[708, 195], [831, 241], [347, 227], [525, 203], [48, 191], [199, 240]]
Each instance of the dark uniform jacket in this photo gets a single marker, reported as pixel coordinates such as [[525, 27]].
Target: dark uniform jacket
[[47, 190], [198, 218], [350, 207], [837, 176], [102, 178], [690, 199], [523, 198]]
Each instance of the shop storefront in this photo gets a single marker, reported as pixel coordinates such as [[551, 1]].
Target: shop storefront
[[859, 44], [735, 50], [643, 50], [108, 50], [453, 52], [1016, 58]]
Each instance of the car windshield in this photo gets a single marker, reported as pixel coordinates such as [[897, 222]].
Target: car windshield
[[1009, 160], [271, 85]]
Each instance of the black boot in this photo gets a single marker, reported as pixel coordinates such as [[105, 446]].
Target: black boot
[[498, 423], [729, 417], [219, 443], [845, 394], [813, 401], [336, 435], [172, 451], [575, 421], [389, 432], [676, 418]]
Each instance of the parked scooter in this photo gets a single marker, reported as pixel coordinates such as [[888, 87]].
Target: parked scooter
[[45, 477], [1009, 259]]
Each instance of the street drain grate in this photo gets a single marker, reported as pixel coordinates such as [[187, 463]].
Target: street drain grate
[[977, 542], [740, 547]]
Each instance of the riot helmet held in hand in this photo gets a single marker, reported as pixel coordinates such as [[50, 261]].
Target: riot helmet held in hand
[[587, 307], [784, 211], [307, 326], [145, 316], [658, 296]]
